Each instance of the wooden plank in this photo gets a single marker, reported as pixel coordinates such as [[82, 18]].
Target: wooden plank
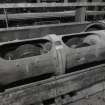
[[46, 15], [31, 5], [53, 87]]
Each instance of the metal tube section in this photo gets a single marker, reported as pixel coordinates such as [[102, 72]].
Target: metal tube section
[[20, 60], [84, 48]]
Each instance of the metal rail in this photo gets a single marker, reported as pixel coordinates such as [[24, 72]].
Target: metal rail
[[80, 13], [36, 5], [46, 15]]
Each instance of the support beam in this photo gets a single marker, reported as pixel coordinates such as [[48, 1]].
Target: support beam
[[80, 12], [55, 87], [38, 1]]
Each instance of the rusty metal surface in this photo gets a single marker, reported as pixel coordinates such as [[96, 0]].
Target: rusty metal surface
[[46, 15]]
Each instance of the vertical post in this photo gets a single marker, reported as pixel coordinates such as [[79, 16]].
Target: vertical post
[[80, 12], [65, 1], [6, 17], [38, 1], [96, 8]]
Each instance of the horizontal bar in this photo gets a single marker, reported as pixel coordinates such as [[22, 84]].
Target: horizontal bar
[[31, 5], [95, 12], [36, 27], [46, 15], [37, 15]]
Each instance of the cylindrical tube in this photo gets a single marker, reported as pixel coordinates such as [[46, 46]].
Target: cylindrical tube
[[84, 48], [24, 64]]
